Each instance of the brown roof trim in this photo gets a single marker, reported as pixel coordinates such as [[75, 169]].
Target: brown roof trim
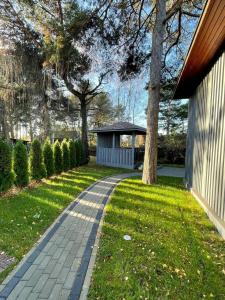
[[206, 46]]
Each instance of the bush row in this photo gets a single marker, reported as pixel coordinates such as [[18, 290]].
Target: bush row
[[18, 167]]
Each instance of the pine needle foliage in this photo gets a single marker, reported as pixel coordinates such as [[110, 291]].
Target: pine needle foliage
[[57, 155], [72, 153], [37, 166], [79, 152], [65, 155], [20, 164], [6, 173], [48, 158]]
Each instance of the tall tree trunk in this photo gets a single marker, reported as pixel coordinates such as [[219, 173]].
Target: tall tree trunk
[[5, 127], [150, 159], [168, 121], [46, 118], [31, 133], [9, 119], [84, 127]]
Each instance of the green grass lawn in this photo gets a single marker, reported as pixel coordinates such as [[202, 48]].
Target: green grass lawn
[[175, 252], [24, 217]]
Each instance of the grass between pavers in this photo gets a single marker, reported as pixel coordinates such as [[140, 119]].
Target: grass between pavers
[[175, 251], [24, 217]]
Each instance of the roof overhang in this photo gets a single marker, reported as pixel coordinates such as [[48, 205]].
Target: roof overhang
[[206, 46], [127, 131]]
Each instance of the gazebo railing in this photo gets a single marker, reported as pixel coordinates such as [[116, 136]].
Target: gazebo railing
[[116, 157]]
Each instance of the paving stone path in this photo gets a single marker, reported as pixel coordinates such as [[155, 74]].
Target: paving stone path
[[59, 265]]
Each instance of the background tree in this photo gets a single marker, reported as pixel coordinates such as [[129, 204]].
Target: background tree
[[20, 164], [101, 111], [48, 158], [37, 167], [20, 86], [149, 33], [57, 30], [172, 113]]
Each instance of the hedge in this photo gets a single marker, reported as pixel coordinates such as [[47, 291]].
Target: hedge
[[6, 173], [39, 164], [48, 158], [20, 164], [57, 154], [65, 155], [72, 153], [37, 167], [79, 153]]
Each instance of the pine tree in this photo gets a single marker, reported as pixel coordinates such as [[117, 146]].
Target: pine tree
[[37, 166], [6, 173], [57, 154], [48, 158], [20, 164], [72, 152], [65, 155]]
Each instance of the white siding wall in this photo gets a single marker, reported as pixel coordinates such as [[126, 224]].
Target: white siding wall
[[205, 158]]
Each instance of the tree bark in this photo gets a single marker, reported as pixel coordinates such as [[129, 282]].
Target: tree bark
[[46, 118], [5, 127], [150, 159], [84, 126]]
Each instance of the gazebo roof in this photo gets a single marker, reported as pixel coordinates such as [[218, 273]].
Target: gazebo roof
[[123, 127]]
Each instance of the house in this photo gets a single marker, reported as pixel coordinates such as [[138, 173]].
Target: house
[[111, 149], [202, 80], [63, 134]]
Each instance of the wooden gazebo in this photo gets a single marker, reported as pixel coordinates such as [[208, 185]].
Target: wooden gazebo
[[109, 151]]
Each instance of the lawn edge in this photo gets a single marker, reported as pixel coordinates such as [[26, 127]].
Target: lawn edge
[[91, 265], [46, 232]]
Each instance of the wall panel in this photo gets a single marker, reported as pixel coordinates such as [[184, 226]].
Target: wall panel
[[205, 166]]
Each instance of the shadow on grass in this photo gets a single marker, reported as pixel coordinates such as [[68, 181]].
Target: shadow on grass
[[174, 253], [25, 216]]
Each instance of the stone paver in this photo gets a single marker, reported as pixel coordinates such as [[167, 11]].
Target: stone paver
[[5, 261], [57, 266]]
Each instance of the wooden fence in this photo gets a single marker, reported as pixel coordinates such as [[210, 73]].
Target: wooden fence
[[116, 157]]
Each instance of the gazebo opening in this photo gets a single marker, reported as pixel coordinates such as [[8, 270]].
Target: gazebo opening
[[120, 145]]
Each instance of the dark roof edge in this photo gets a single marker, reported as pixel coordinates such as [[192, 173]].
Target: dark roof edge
[[117, 130]]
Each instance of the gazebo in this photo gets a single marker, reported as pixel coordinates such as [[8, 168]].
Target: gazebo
[[109, 151]]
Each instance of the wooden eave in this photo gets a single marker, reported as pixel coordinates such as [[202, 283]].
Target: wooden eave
[[206, 46]]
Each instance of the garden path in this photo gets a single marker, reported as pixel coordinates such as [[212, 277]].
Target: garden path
[[60, 265]]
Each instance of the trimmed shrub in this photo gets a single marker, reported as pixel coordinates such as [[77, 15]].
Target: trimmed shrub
[[72, 152], [6, 173], [48, 158], [37, 166], [20, 164], [79, 153], [65, 155], [57, 155]]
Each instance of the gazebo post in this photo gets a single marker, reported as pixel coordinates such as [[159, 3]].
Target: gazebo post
[[113, 147], [133, 147], [97, 147], [114, 140]]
